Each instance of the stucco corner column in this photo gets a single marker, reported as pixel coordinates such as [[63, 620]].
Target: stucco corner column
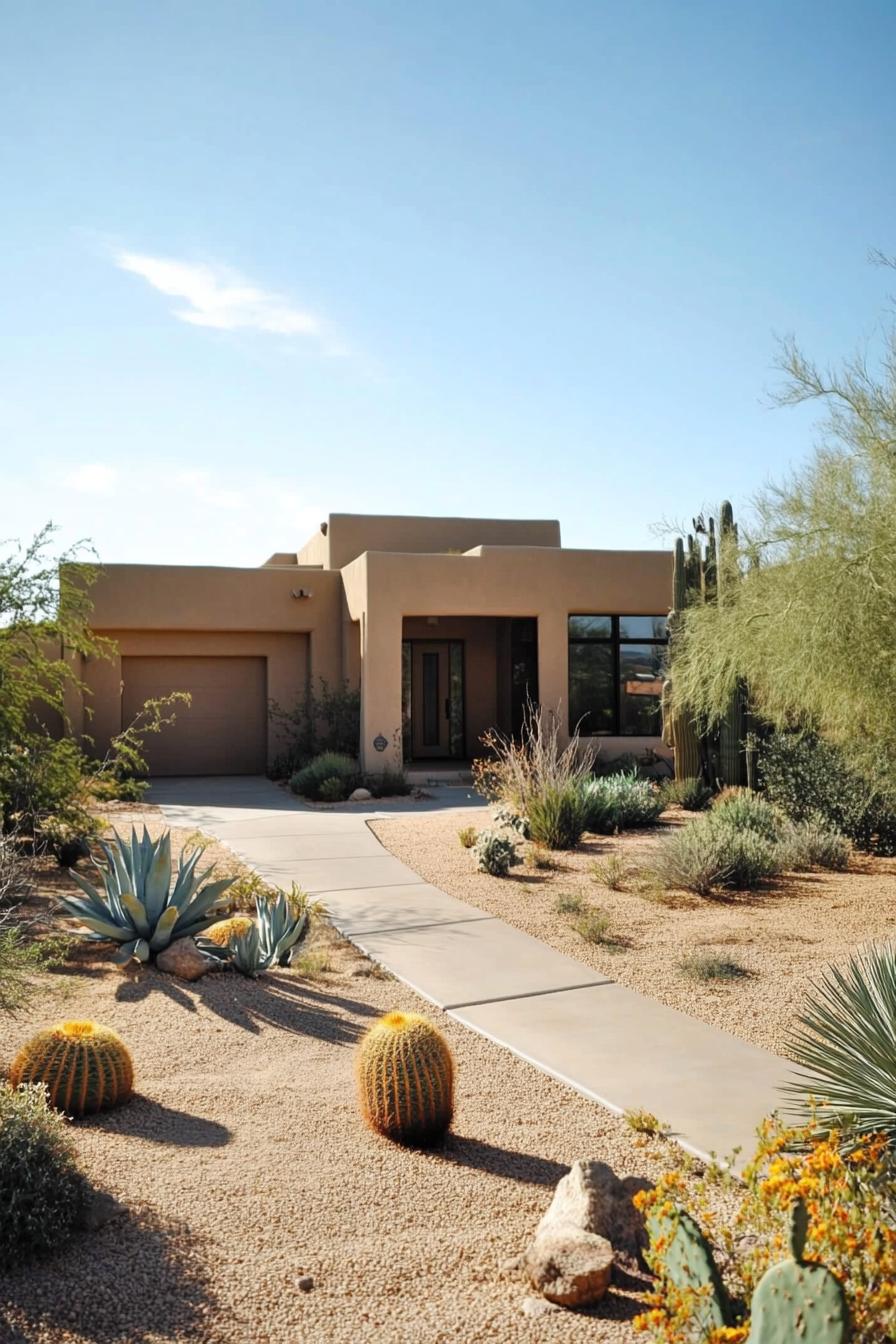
[[553, 666], [381, 691]]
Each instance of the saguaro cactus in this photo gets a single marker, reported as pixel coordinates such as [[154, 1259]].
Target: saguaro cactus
[[796, 1302], [406, 1079]]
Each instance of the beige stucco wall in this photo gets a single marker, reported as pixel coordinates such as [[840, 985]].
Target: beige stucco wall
[[382, 589], [349, 535], [197, 610]]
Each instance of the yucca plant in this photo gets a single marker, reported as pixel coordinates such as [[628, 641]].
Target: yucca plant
[[845, 1048], [138, 907]]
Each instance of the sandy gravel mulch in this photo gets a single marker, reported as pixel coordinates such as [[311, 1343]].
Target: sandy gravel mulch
[[244, 1165], [783, 936]]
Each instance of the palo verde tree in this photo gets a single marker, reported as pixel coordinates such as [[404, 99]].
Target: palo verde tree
[[810, 627]]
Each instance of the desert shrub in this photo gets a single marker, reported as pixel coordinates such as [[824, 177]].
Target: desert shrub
[[537, 773], [642, 1122], [22, 957], [467, 836], [809, 778], [710, 853], [331, 765], [812, 844], [495, 854], [592, 926], [613, 873], [742, 810], [506, 816], [327, 720], [850, 1231], [843, 1047], [43, 1195], [540, 860], [567, 903], [711, 966], [332, 790], [391, 782], [15, 871], [556, 817], [620, 802], [691, 794]]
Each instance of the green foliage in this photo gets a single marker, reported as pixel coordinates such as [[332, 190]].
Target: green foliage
[[690, 793], [388, 783], [138, 908], [812, 844], [812, 780], [309, 781], [567, 903], [844, 1049], [711, 966], [467, 836], [798, 1302], [495, 854], [325, 721], [43, 1195], [22, 958], [613, 873], [117, 776], [809, 626], [41, 786], [745, 811], [593, 926], [620, 802], [556, 816], [332, 790], [711, 852], [282, 921]]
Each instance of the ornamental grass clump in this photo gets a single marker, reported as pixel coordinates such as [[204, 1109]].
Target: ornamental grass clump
[[536, 779], [844, 1046], [735, 1257], [691, 794], [43, 1195]]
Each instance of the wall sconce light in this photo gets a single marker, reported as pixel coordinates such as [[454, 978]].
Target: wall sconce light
[[301, 593]]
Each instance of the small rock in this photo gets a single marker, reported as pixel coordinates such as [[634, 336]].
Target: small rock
[[305, 1283], [570, 1267], [512, 1264], [183, 959], [360, 796], [101, 1209], [591, 1197], [537, 1306]]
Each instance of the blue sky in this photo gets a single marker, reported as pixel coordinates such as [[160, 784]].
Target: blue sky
[[267, 260]]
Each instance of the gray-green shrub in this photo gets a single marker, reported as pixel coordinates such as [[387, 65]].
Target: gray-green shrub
[[812, 844], [556, 817], [495, 854], [329, 765], [746, 811], [710, 853], [620, 802], [691, 794], [43, 1195]]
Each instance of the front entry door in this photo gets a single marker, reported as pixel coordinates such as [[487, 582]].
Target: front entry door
[[431, 699]]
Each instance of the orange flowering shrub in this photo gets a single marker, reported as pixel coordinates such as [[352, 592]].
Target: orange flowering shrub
[[851, 1202]]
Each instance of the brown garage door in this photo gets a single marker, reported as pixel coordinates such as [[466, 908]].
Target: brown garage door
[[223, 732]]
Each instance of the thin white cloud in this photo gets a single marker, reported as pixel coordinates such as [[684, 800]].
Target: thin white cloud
[[220, 298], [92, 478]]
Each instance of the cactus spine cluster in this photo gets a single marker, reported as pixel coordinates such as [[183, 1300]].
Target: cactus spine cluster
[[796, 1302], [85, 1067], [406, 1079], [705, 572]]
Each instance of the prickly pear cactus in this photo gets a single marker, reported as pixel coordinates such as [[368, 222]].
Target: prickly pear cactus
[[796, 1302], [685, 1257]]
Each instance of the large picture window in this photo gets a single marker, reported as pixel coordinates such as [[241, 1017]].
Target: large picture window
[[616, 668]]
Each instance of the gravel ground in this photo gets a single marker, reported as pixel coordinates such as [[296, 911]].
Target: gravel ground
[[244, 1166], [782, 937]]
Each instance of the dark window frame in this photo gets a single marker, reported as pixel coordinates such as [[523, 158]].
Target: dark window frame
[[616, 643]]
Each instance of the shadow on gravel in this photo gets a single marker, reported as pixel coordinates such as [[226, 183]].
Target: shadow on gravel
[[140, 1278], [506, 1162], [148, 1119], [277, 1000]]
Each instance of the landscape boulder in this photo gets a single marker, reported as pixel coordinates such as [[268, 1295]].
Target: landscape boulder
[[183, 959], [360, 796], [590, 1223]]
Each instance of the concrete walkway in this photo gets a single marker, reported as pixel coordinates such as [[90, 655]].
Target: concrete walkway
[[609, 1042]]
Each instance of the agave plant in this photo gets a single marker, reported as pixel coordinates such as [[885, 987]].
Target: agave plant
[[280, 923], [846, 1047], [138, 907]]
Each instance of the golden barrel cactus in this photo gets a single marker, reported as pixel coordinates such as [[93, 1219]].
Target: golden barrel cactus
[[406, 1079], [225, 929], [84, 1066]]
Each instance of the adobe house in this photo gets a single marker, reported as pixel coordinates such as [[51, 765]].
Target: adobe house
[[446, 624]]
